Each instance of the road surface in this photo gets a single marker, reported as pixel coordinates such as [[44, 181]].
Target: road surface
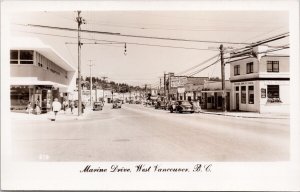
[[138, 133]]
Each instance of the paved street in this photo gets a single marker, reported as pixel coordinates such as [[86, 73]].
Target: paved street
[[138, 133]]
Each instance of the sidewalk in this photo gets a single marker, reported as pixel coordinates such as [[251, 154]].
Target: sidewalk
[[244, 114], [61, 116]]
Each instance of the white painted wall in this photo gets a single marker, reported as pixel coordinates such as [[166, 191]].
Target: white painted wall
[[284, 94]]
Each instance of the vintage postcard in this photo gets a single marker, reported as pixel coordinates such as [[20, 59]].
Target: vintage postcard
[[150, 95]]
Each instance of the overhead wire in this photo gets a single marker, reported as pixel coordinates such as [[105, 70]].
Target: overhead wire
[[202, 69], [131, 43], [198, 64], [134, 36]]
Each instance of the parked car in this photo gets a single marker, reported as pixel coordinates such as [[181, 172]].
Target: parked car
[[97, 106], [160, 105], [181, 106], [117, 104], [138, 102]]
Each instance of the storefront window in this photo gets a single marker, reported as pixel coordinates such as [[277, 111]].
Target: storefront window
[[273, 91], [243, 94], [19, 96], [208, 99], [251, 94]]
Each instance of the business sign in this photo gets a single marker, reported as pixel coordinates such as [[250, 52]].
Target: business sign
[[263, 92], [85, 92], [178, 81], [244, 83], [181, 90]]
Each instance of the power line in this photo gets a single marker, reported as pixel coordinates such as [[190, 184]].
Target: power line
[[169, 28], [121, 42], [196, 72], [199, 64], [135, 36]]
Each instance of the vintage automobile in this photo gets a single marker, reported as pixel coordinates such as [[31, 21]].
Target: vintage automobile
[[117, 104], [160, 105], [97, 106], [181, 106]]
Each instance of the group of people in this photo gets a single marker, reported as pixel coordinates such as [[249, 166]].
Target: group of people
[[36, 107], [56, 106]]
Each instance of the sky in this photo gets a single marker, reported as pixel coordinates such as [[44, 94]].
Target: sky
[[146, 64]]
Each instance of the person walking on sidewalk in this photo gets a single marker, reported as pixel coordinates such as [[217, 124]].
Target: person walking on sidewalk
[[65, 105], [72, 104], [56, 107], [29, 108]]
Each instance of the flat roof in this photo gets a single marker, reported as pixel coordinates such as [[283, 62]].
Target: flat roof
[[31, 43]]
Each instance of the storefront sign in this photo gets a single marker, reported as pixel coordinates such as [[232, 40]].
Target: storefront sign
[[181, 90], [178, 81], [277, 82], [85, 92], [263, 92], [244, 83]]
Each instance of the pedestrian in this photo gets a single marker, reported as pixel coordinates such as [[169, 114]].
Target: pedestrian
[[37, 103], [37, 110], [56, 107], [29, 108], [65, 105], [196, 106], [72, 104], [82, 107]]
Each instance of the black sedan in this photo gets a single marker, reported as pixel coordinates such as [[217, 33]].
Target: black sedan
[[181, 106]]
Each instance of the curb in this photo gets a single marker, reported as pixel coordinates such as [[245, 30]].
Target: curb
[[254, 117]]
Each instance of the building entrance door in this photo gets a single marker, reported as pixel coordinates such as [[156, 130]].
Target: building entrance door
[[237, 102]]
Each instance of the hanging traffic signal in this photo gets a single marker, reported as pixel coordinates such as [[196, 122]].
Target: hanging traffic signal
[[125, 49]]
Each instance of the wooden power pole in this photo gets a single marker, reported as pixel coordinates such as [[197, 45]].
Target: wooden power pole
[[223, 78]]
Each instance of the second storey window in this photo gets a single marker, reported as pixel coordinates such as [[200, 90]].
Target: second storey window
[[21, 56], [14, 56], [236, 69], [26, 57], [272, 66], [249, 67]]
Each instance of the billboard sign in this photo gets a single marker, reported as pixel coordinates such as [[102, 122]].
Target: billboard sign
[[178, 81]]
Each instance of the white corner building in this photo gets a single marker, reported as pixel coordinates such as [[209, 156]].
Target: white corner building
[[261, 83], [38, 74]]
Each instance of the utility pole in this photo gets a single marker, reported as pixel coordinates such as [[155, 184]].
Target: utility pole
[[165, 84], [91, 81], [103, 85], [159, 84], [80, 21], [223, 78]]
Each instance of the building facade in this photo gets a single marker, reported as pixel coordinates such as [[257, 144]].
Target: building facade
[[212, 95], [184, 87], [260, 84], [38, 74]]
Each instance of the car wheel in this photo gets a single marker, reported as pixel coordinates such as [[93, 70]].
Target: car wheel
[[171, 110]]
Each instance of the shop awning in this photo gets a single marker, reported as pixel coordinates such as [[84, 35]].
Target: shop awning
[[216, 91], [33, 81]]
